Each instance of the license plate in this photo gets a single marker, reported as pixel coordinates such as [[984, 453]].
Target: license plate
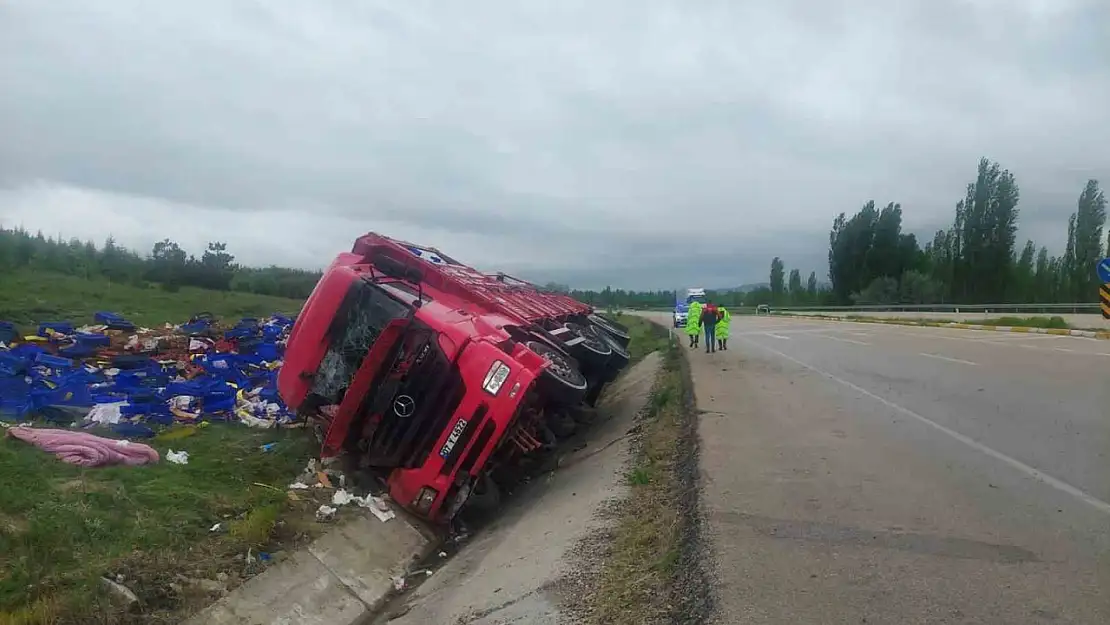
[[453, 438]]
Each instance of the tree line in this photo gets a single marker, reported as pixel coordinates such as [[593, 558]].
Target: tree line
[[974, 261], [167, 265], [870, 260]]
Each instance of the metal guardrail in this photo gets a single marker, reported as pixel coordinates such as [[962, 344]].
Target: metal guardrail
[[1074, 308]]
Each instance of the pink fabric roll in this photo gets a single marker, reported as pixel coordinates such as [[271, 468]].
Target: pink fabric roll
[[84, 449]]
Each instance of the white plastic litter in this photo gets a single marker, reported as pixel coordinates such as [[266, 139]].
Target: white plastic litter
[[377, 506], [215, 528], [181, 402], [325, 512], [123, 442], [250, 420], [106, 414], [177, 457], [297, 486], [398, 583]]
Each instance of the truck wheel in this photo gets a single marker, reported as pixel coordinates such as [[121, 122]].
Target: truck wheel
[[593, 346], [614, 330], [485, 497], [561, 424], [561, 378], [620, 357], [613, 322]]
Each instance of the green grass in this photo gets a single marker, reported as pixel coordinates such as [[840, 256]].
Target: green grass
[[634, 584], [1054, 322], [28, 297], [1027, 322], [646, 337], [63, 527]]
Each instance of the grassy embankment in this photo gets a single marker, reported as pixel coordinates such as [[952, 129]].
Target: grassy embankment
[[637, 581], [29, 297], [1054, 322], [62, 528]]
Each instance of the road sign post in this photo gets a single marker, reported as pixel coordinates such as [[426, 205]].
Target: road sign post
[[1103, 270]]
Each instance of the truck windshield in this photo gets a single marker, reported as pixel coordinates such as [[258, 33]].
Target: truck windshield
[[365, 311]]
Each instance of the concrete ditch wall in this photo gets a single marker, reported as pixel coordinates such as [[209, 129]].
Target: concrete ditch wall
[[339, 579], [524, 567]]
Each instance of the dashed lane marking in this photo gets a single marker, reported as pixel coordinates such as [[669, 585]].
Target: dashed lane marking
[[957, 360]]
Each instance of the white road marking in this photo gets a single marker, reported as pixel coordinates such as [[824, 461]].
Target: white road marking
[[778, 336], [837, 338], [1036, 474], [1010, 338], [1063, 349], [939, 357]]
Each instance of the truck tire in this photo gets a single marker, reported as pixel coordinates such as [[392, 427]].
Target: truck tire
[[613, 321], [484, 498], [620, 358], [593, 347], [561, 379], [615, 330]]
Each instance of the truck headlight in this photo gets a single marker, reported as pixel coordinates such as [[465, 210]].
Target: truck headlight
[[495, 377]]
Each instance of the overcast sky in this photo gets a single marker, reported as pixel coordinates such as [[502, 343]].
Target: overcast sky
[[658, 143]]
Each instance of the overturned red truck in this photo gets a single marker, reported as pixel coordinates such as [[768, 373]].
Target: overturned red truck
[[447, 382]]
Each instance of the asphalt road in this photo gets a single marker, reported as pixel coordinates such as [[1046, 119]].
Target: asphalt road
[[860, 473]]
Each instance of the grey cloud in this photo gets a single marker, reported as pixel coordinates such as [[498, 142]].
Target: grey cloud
[[646, 143]]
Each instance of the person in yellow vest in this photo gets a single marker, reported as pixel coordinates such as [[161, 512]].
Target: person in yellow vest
[[693, 322], [722, 328]]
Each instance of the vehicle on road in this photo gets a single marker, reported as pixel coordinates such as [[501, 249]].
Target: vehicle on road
[[682, 307], [448, 384]]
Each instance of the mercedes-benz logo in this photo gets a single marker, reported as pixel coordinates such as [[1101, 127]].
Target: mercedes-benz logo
[[404, 406]]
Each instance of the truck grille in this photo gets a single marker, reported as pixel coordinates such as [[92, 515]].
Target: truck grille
[[414, 416]]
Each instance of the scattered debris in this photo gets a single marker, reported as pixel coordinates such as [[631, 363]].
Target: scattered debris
[[177, 457], [325, 513], [377, 506], [123, 376], [215, 528], [267, 447], [341, 498]]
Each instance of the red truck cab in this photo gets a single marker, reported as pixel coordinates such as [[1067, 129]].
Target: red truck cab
[[432, 374]]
